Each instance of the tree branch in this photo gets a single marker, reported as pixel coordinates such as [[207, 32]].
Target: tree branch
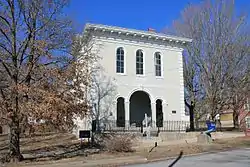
[[4, 47], [5, 35]]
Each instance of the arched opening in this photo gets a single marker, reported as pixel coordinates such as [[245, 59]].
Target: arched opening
[[159, 113], [139, 105], [120, 110], [1, 130]]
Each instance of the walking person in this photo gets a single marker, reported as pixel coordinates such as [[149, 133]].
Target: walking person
[[211, 127], [217, 121]]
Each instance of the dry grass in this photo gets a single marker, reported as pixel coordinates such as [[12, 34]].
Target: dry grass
[[47, 147]]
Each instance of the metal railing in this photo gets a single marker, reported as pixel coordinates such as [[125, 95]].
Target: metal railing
[[163, 126], [136, 126]]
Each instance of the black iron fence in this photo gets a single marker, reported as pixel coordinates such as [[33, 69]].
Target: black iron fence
[[164, 126], [133, 126]]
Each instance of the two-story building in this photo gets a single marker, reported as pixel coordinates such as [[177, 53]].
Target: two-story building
[[148, 71]]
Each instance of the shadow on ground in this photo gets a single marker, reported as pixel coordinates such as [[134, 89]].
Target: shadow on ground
[[51, 147]]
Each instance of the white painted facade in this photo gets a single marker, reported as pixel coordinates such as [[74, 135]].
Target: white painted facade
[[168, 87]]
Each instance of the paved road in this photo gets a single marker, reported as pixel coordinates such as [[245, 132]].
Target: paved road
[[236, 158]]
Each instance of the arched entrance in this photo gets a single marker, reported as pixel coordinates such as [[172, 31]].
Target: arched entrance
[[139, 105], [120, 110], [159, 113]]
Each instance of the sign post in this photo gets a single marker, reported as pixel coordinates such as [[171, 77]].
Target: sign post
[[84, 134]]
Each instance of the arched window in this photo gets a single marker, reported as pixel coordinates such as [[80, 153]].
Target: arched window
[[139, 62], [159, 113], [158, 69], [120, 60]]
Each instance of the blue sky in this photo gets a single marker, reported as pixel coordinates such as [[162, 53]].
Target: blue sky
[[138, 14]]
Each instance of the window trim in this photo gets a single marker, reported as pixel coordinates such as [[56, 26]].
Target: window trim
[[143, 56], [124, 61]]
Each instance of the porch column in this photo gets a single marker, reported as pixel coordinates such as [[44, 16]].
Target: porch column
[[153, 110], [165, 115], [127, 114]]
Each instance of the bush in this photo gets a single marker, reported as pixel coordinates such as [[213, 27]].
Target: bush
[[119, 142]]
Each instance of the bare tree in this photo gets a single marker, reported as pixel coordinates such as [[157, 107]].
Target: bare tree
[[102, 93], [99, 87], [193, 96], [37, 65], [218, 59]]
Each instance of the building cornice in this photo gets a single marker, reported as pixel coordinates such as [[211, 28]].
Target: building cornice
[[161, 47], [160, 37]]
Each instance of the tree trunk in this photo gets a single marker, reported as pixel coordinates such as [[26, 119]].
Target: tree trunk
[[191, 117], [14, 154], [236, 120], [98, 125], [14, 143]]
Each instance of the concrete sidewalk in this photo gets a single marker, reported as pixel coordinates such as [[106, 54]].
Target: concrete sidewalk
[[216, 135]]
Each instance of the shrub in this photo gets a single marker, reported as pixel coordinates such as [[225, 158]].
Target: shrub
[[119, 142]]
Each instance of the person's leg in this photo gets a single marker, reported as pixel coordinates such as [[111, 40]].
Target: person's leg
[[209, 134], [209, 131]]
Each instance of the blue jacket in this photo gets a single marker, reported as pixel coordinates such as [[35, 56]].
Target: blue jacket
[[211, 126]]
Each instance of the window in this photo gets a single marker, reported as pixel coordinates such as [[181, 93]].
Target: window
[[158, 64], [120, 60], [139, 62], [247, 106], [248, 122]]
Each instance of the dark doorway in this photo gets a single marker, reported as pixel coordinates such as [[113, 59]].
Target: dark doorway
[[120, 110], [139, 105], [159, 113]]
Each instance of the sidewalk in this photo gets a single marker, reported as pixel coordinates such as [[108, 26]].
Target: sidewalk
[[216, 135]]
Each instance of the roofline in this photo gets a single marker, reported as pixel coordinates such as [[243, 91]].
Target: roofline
[[89, 26]]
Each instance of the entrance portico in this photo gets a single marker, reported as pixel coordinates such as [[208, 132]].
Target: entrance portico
[[139, 105], [131, 110]]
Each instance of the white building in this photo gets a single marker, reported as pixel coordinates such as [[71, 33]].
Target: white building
[[148, 69]]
